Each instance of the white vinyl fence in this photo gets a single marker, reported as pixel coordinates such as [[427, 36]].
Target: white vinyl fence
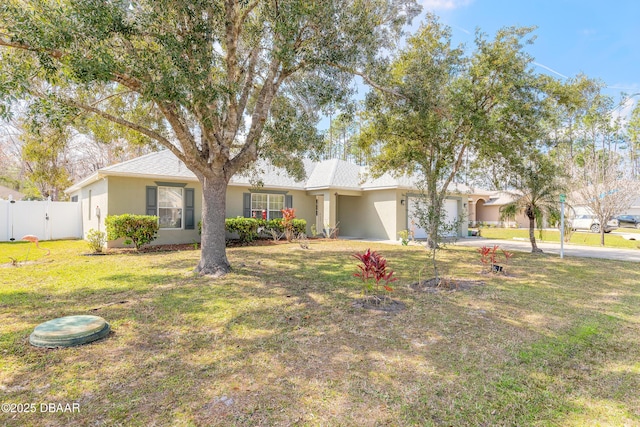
[[46, 220]]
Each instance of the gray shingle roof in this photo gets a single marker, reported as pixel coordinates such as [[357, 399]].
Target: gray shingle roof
[[334, 173], [162, 164], [499, 198]]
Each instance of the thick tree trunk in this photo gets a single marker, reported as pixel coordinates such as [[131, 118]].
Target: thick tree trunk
[[213, 257]]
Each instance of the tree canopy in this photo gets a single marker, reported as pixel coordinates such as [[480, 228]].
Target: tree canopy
[[536, 186], [434, 103], [231, 80]]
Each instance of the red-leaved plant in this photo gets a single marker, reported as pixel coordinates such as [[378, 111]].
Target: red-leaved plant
[[374, 269], [489, 258], [288, 215]]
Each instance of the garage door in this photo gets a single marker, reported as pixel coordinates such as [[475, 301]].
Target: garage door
[[451, 214]]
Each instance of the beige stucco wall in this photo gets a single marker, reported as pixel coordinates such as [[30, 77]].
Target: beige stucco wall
[[350, 211], [128, 195], [374, 214], [234, 201], [89, 197], [380, 214], [304, 204], [491, 215]]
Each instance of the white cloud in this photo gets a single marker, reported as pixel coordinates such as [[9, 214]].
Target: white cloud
[[445, 4], [550, 69]]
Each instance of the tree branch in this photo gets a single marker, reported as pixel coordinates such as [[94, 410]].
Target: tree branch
[[56, 54], [249, 150], [191, 155], [369, 80], [247, 11], [248, 84], [131, 125]]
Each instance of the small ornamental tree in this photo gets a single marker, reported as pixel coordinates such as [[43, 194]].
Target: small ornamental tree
[[489, 259], [373, 271], [137, 229], [288, 215]]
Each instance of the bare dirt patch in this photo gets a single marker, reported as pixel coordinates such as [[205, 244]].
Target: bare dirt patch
[[379, 303], [445, 284]]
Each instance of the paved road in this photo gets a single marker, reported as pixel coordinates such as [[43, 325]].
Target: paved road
[[570, 250]]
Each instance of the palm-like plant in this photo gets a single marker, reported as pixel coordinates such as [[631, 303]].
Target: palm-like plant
[[536, 189]]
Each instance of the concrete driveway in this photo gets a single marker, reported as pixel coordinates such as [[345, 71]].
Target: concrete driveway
[[570, 250]]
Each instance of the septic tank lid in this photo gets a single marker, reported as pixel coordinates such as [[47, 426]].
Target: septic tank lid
[[69, 331]]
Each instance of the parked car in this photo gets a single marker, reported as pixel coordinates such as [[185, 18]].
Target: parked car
[[590, 222], [632, 221]]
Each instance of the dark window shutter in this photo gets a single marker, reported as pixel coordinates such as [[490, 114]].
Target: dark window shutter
[[152, 201], [288, 201], [189, 209], [246, 205]]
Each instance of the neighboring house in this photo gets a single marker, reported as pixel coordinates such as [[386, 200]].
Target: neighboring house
[[7, 193], [335, 193], [634, 209], [485, 210]]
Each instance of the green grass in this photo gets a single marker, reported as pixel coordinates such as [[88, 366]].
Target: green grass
[[277, 341], [577, 238]]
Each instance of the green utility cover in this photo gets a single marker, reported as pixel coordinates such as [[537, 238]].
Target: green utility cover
[[69, 331]]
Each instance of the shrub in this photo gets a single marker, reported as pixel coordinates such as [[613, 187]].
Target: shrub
[[246, 228], [136, 229], [274, 225], [299, 226], [96, 240], [374, 268], [404, 237]]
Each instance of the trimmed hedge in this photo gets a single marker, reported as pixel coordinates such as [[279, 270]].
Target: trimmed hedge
[[248, 229], [136, 229], [299, 225]]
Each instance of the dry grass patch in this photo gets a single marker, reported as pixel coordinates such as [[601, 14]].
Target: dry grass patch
[[278, 342]]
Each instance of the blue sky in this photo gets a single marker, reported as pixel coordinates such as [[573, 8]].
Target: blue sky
[[595, 37]]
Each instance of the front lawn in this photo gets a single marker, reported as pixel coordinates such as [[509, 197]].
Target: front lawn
[[578, 238], [277, 342]]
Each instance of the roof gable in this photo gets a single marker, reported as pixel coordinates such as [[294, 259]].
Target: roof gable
[[333, 173]]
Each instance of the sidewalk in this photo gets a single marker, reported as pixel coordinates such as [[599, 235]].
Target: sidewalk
[[570, 250]]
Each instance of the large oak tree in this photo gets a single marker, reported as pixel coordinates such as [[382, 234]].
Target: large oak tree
[[435, 103], [232, 79]]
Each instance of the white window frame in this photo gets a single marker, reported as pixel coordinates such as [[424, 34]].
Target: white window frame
[[269, 202], [162, 190]]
